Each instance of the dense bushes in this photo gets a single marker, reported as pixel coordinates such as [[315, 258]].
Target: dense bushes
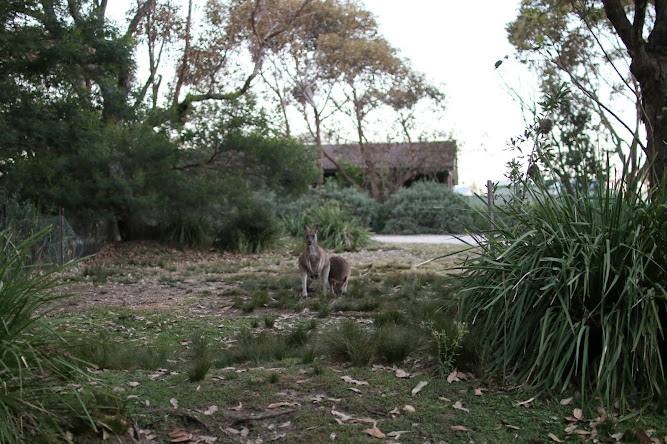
[[426, 207], [573, 292], [252, 228]]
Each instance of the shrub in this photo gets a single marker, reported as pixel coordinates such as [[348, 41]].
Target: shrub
[[349, 341], [31, 362], [426, 208], [573, 292], [337, 231], [395, 342], [188, 230], [253, 228], [353, 203]]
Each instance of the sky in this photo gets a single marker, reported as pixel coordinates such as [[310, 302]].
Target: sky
[[456, 43]]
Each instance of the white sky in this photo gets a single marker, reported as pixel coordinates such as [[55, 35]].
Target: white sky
[[456, 43]]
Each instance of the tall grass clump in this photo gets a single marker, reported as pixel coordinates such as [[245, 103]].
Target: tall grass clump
[[252, 228], [31, 364], [426, 208], [337, 230], [573, 292], [188, 230]]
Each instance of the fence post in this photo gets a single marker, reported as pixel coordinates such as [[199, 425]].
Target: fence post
[[490, 199], [62, 246]]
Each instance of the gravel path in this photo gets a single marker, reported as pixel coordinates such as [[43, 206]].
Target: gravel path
[[425, 239]]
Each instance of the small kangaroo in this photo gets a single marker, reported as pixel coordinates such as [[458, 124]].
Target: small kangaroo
[[313, 262], [339, 274]]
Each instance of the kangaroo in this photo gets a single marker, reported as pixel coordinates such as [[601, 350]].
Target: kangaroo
[[313, 262], [339, 274]]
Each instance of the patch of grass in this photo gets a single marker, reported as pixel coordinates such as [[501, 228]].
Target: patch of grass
[[348, 341], [201, 359], [394, 343]]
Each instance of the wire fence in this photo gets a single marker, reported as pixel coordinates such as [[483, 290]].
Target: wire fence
[[59, 246]]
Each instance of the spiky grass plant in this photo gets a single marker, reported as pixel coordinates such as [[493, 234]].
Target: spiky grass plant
[[32, 363], [338, 231], [572, 292], [349, 341]]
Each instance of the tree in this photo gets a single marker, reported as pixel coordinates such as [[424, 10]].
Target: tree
[[649, 66], [579, 42]]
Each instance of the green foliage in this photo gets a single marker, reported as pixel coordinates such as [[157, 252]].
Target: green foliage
[[395, 342], [252, 229], [357, 205], [573, 292], [426, 207], [200, 358], [190, 230], [337, 231], [349, 341], [449, 342], [30, 360]]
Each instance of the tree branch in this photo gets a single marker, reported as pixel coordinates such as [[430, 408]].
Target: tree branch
[[616, 15]]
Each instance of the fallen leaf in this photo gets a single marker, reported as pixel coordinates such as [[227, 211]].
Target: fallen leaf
[[397, 433], [206, 439], [566, 401], [211, 410], [457, 405], [479, 391], [419, 387], [341, 415], [442, 398], [578, 414], [174, 402], [231, 431], [375, 432], [353, 381], [245, 432], [554, 437], [453, 377], [284, 425], [513, 427], [459, 428], [332, 437], [180, 435], [527, 402], [409, 409], [237, 408], [133, 384], [354, 389], [402, 374], [617, 436], [276, 405]]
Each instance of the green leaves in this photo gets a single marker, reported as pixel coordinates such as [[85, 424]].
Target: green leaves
[[570, 290]]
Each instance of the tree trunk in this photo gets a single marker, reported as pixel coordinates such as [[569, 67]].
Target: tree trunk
[[649, 66]]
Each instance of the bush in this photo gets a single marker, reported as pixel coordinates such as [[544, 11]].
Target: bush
[[349, 341], [573, 292], [31, 363], [253, 228], [337, 231], [188, 230], [426, 208], [355, 204]]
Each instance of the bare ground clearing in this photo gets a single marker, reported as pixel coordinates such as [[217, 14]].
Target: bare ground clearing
[[147, 275]]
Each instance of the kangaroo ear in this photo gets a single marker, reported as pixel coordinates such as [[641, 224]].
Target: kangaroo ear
[[305, 227], [316, 227], [345, 279]]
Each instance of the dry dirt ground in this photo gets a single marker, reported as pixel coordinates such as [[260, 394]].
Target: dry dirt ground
[[147, 275]]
